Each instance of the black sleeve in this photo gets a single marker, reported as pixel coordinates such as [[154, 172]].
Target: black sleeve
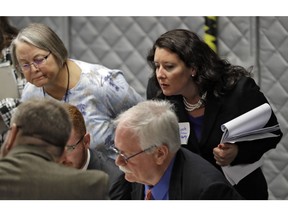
[[251, 151]]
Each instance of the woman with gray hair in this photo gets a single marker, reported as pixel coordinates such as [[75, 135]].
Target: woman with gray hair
[[98, 92]]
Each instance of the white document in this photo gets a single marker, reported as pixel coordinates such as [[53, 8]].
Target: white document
[[249, 126], [235, 173], [246, 127]]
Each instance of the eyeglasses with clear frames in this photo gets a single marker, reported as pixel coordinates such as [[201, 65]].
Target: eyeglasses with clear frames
[[125, 158], [70, 148], [36, 62]]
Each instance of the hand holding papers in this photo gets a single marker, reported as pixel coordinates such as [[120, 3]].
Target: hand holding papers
[[249, 126]]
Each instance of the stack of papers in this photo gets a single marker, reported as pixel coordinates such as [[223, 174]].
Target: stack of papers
[[247, 127]]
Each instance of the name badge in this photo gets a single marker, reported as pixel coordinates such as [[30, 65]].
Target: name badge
[[184, 128]]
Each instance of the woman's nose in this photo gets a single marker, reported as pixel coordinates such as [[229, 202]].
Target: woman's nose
[[160, 72]]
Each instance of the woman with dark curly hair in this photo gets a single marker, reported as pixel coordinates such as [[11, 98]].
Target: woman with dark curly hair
[[208, 92]]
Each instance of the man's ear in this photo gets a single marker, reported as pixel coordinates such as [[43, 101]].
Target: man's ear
[[161, 153], [10, 139], [86, 140]]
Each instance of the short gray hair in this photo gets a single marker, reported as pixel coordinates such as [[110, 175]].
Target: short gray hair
[[154, 122], [43, 37], [45, 119]]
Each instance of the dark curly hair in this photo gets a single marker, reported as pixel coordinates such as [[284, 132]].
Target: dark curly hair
[[212, 73]]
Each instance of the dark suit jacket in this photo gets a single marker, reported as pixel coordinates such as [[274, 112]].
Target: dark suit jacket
[[28, 173], [194, 178], [243, 98], [119, 188]]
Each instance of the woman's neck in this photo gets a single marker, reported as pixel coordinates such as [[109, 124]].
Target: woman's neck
[[59, 88]]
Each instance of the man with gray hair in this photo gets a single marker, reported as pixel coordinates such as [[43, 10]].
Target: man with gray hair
[[36, 139], [148, 148]]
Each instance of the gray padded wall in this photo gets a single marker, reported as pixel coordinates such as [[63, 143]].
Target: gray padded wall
[[123, 42], [116, 42], [273, 61], [263, 43]]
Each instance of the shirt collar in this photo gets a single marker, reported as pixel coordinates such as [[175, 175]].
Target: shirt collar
[[160, 191]]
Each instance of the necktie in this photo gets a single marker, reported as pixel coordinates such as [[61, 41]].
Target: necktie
[[149, 195]]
